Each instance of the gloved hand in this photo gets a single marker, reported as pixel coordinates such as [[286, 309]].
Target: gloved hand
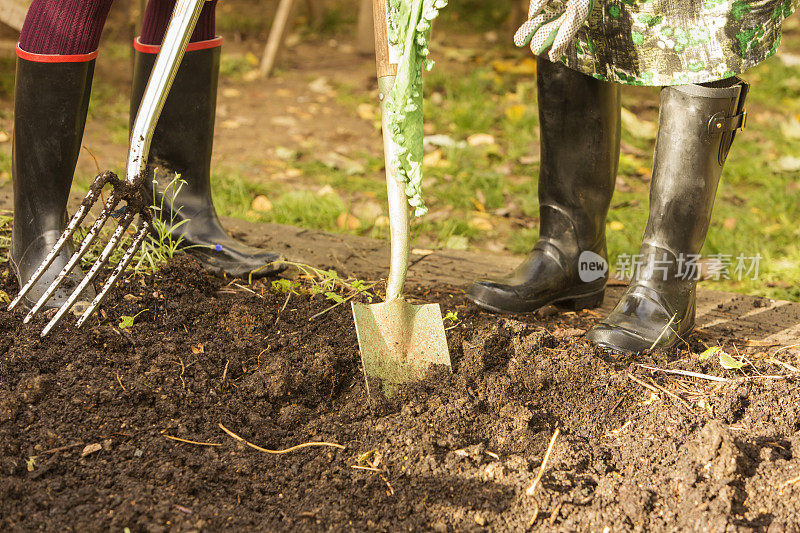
[[553, 24]]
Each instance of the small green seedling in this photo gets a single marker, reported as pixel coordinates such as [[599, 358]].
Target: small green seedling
[[163, 245], [325, 282], [285, 286], [126, 322], [451, 316], [725, 359]]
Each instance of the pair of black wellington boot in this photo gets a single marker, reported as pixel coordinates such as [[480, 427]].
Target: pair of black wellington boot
[[51, 103], [580, 125]]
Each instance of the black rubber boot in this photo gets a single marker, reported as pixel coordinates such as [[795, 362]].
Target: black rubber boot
[[579, 119], [50, 105], [182, 144], [696, 128]]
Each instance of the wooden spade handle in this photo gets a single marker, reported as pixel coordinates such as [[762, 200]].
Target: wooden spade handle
[[385, 67]]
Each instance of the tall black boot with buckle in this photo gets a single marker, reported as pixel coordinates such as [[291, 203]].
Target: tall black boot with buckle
[[50, 104], [696, 129], [182, 145], [579, 119]]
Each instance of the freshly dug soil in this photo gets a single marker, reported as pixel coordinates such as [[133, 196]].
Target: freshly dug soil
[[86, 416]]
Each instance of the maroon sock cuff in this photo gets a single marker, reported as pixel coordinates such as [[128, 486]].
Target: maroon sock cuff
[[66, 28], [158, 14]]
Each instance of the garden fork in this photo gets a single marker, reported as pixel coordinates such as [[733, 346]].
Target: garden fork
[[129, 191]]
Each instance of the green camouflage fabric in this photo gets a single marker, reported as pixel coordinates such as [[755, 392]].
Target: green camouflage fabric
[[675, 42]]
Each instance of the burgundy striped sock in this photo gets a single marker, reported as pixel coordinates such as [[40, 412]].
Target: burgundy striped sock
[[158, 13], [64, 27]]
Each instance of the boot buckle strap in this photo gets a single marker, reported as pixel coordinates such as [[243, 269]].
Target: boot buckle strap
[[720, 123]]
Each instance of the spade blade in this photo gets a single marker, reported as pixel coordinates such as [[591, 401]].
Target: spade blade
[[399, 342]]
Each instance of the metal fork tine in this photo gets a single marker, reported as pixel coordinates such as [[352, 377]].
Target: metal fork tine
[[123, 264], [87, 241], [76, 220], [104, 255], [182, 24]]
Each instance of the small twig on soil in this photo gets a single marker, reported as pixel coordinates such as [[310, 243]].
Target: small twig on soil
[[120, 382], [685, 373], [225, 372], [787, 366], [63, 448], [192, 441], [619, 402], [654, 387], [288, 297], [368, 468], [663, 331], [532, 489], [279, 452], [183, 371], [763, 376], [779, 350], [554, 514], [248, 290], [94, 158], [746, 360], [792, 481]]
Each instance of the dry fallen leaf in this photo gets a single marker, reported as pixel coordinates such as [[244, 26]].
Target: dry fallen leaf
[[526, 66], [367, 111], [91, 448], [198, 349], [326, 190], [641, 129], [261, 204], [367, 211], [788, 164], [339, 162], [480, 139], [515, 113], [251, 75], [230, 124], [457, 242], [616, 225], [348, 222], [293, 173], [285, 154], [481, 224], [321, 86], [432, 159]]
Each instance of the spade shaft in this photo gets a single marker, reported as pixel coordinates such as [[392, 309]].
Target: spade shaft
[[399, 341], [399, 212]]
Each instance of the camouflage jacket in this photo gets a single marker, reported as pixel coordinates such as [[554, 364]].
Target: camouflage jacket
[[676, 42]]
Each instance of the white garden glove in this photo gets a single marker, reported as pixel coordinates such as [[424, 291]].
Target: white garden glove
[[553, 24]]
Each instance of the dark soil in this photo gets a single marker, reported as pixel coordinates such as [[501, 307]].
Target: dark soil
[[457, 452]]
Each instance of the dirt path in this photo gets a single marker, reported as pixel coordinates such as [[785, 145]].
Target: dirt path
[[298, 110]]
